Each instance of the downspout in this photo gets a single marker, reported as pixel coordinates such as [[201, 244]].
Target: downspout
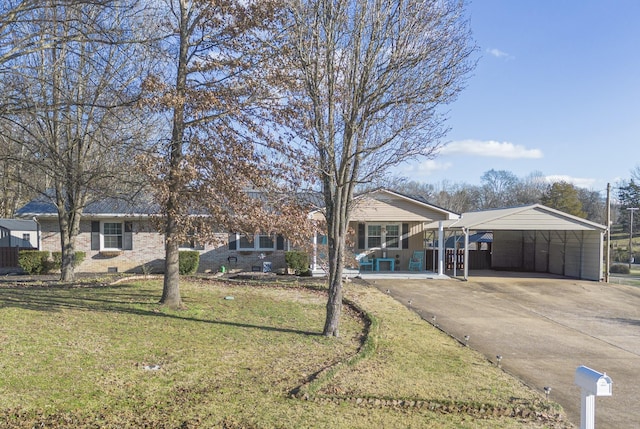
[[35, 219]]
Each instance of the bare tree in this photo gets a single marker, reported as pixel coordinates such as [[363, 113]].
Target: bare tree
[[219, 91], [498, 189], [73, 102], [372, 75]]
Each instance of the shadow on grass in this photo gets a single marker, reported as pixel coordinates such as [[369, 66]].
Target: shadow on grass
[[121, 298]]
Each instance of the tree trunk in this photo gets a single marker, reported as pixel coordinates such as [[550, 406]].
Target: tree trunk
[[67, 269], [171, 289], [337, 218], [334, 303]]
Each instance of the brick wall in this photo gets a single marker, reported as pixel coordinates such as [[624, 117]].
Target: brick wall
[[148, 251]]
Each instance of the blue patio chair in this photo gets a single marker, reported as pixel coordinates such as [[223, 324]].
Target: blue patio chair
[[365, 262], [415, 263]]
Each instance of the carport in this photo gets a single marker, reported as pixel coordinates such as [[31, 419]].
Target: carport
[[532, 238]]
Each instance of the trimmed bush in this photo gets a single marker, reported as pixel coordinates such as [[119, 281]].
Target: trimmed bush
[[297, 261], [189, 260], [619, 269], [33, 261], [56, 262]]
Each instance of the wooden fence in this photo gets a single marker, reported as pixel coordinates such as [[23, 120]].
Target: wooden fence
[[478, 259], [9, 256]]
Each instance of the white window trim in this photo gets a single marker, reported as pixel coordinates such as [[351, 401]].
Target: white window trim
[[383, 237], [102, 235]]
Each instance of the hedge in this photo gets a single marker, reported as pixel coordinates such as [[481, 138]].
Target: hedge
[[56, 264], [33, 261], [37, 261], [188, 260], [619, 269], [298, 262]]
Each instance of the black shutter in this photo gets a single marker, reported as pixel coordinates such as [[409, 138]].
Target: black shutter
[[405, 235], [95, 235], [233, 244], [279, 242], [127, 243], [361, 236]]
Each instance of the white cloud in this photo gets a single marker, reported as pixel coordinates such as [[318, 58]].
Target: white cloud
[[421, 170], [577, 181], [491, 149], [498, 53]]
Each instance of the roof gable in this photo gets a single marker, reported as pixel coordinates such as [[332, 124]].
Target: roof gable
[[386, 205], [531, 217]]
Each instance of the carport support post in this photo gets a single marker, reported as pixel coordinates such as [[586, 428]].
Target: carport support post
[[588, 410], [440, 248], [466, 254]]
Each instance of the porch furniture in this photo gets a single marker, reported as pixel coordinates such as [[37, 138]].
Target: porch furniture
[[365, 262], [415, 263], [391, 261]]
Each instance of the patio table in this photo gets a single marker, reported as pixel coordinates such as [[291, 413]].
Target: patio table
[[391, 261]]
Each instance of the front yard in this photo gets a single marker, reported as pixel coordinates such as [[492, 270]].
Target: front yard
[[243, 355]]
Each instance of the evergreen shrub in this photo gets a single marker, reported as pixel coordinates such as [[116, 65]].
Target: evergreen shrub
[[189, 260], [619, 269], [33, 261], [298, 262]]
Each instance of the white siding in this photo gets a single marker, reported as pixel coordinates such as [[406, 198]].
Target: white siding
[[387, 208]]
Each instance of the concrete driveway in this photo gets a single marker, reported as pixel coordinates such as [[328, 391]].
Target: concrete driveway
[[544, 328]]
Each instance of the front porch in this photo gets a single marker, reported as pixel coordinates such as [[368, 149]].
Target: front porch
[[373, 275]]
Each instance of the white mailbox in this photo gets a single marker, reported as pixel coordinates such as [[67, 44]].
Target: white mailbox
[[594, 382]]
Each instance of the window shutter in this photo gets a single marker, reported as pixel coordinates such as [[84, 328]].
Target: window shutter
[[361, 236], [95, 235], [405, 235], [233, 244], [279, 242], [127, 243]]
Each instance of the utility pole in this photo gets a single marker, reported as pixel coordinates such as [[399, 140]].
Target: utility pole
[[607, 250], [631, 210]]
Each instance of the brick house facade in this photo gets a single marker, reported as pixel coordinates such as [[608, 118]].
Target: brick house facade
[[116, 241]]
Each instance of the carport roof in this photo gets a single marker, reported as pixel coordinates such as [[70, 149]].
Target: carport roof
[[531, 217]]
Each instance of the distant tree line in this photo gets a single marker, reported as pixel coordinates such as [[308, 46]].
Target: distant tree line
[[500, 189]]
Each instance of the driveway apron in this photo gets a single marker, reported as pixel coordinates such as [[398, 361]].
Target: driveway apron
[[543, 328]]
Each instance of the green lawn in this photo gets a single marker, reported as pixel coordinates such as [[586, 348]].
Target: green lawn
[[110, 356]]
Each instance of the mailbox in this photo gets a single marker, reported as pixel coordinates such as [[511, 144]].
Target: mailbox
[[594, 382]]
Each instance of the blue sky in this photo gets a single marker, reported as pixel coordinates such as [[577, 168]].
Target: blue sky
[[556, 91]]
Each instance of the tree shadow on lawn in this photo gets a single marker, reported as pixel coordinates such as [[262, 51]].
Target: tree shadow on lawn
[[102, 299]]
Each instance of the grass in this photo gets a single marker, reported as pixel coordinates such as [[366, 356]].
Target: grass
[[109, 356]]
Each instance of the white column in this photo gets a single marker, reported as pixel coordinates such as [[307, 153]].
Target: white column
[[466, 254], [315, 251], [588, 410], [440, 248]]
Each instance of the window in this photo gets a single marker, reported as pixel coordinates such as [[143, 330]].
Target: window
[[265, 242], [257, 242], [392, 237], [112, 235], [192, 242], [383, 236], [246, 242], [26, 237], [374, 236]]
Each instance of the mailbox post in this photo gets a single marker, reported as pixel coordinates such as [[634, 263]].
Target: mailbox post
[[592, 384]]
